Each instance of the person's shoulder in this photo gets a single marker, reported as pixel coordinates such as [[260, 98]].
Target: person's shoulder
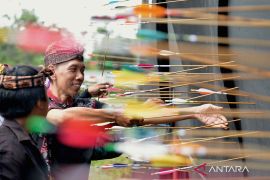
[[10, 147], [8, 140], [6, 132]]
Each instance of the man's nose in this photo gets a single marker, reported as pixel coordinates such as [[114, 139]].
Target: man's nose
[[80, 76]]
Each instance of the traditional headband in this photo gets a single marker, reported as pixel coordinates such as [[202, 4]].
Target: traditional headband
[[18, 82], [60, 58], [63, 51]]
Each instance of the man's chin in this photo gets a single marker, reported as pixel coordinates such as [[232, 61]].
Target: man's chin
[[74, 93]]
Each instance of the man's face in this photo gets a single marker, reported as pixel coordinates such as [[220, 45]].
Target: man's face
[[69, 77]]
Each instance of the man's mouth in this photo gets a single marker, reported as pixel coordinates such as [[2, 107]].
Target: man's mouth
[[77, 85]]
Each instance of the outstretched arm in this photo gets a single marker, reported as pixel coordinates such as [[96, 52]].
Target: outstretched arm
[[198, 112], [167, 119], [57, 116]]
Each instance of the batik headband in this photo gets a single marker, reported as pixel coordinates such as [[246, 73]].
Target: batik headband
[[18, 82], [63, 51]]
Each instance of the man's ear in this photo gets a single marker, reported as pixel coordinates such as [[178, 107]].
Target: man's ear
[[52, 69]]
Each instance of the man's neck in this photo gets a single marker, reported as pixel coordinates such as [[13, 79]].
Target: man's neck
[[63, 98]]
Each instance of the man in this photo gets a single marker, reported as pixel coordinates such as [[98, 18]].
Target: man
[[22, 95], [64, 59], [65, 62]]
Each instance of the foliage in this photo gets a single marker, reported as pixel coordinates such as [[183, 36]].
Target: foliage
[[110, 174], [27, 17], [12, 55]]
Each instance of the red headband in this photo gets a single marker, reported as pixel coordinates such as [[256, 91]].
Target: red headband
[[62, 51]]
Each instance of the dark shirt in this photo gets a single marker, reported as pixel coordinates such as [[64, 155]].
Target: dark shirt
[[20, 158]]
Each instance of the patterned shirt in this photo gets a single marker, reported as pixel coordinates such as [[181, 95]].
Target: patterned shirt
[[84, 100]]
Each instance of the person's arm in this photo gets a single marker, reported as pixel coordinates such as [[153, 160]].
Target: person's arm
[[57, 116], [98, 90], [204, 113], [167, 119]]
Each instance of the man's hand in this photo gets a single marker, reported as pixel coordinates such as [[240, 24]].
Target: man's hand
[[99, 90], [215, 120], [126, 121], [154, 101]]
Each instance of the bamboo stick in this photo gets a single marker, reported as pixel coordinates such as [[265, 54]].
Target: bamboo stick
[[205, 22]]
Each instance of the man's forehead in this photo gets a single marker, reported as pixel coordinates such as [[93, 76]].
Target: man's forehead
[[75, 62]]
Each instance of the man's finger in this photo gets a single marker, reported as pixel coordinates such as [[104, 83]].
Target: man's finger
[[217, 107], [103, 89], [106, 84], [223, 118]]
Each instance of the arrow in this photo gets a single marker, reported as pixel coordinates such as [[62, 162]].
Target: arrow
[[150, 51], [178, 101], [114, 2], [150, 66], [151, 12], [205, 91]]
